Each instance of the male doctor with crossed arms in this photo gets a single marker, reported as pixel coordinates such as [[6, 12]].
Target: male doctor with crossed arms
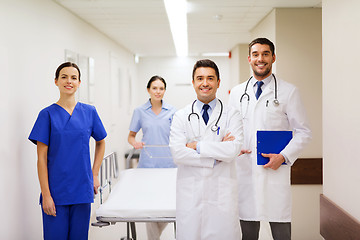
[[206, 191]]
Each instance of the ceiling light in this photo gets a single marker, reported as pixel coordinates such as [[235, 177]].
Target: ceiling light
[[218, 17], [216, 54], [136, 58], [176, 11]]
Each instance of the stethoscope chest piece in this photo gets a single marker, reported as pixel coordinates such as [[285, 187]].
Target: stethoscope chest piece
[[214, 128], [276, 102]]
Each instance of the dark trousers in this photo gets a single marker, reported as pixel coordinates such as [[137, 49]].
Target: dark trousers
[[280, 231]]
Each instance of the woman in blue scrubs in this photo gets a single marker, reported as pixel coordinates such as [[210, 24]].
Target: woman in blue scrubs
[[62, 132], [154, 118]]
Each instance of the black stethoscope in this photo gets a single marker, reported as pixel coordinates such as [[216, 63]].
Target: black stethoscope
[[245, 94], [213, 128]]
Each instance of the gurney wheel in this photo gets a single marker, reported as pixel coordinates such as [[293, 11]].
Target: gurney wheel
[[100, 224]]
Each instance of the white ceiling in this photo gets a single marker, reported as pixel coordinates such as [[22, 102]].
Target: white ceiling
[[142, 26]]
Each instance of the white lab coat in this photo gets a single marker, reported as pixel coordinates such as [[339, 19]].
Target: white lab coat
[[265, 194], [206, 194]]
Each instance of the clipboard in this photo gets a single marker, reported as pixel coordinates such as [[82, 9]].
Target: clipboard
[[271, 142]]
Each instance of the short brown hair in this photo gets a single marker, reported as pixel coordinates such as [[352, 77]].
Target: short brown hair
[[206, 63], [263, 41]]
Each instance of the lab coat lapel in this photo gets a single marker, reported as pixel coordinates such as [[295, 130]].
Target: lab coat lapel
[[202, 123], [214, 115], [269, 90]]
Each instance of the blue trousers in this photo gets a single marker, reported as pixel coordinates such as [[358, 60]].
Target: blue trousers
[[71, 222]]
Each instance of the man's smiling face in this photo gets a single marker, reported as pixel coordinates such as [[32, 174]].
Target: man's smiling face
[[205, 83], [261, 59]]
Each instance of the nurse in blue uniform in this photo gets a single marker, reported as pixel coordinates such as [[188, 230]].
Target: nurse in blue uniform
[[68, 182], [154, 118]]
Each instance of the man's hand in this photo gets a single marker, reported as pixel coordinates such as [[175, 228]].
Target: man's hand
[[275, 160], [228, 137], [243, 151], [191, 145]]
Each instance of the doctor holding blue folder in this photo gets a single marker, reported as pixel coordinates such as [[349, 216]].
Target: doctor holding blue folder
[[267, 104]]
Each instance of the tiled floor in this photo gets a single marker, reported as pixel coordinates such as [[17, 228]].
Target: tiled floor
[[117, 231]]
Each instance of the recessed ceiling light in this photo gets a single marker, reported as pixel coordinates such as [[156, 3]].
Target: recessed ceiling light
[[176, 11]]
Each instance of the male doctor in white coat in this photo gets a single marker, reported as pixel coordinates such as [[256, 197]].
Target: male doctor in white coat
[[205, 139], [264, 190]]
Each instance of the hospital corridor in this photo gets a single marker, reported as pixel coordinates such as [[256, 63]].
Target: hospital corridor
[[123, 79]]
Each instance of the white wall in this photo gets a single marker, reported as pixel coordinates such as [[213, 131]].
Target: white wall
[[177, 73], [35, 34], [341, 115], [239, 65], [299, 53], [296, 34]]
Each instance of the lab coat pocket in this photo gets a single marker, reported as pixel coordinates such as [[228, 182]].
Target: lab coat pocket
[[275, 118], [227, 198], [185, 193], [280, 176]]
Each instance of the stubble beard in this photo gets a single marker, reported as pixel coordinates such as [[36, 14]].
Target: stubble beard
[[262, 74]]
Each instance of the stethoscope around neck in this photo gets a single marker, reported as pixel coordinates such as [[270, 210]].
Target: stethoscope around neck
[[246, 95], [213, 128]]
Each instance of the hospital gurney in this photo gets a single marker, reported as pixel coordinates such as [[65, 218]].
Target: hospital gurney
[[161, 152], [141, 195]]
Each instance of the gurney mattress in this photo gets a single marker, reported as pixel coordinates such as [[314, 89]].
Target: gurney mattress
[[142, 193]]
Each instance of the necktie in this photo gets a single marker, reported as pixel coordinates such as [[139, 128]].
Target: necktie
[[259, 91], [205, 114]]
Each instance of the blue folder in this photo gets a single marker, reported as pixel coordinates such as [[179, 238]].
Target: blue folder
[[271, 142]]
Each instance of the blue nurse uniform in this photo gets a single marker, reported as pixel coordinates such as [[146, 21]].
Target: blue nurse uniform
[[156, 131], [67, 137]]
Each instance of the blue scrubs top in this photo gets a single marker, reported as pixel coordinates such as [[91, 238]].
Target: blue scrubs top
[[156, 131], [67, 137]]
